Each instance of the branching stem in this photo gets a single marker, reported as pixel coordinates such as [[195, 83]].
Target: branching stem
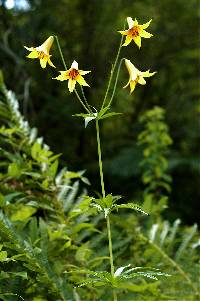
[[65, 66], [60, 51], [112, 72]]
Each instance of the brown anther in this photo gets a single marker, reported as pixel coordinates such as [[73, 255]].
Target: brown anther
[[134, 31], [73, 73], [41, 54]]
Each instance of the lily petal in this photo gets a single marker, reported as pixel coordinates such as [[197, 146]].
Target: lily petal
[[71, 85], [33, 54], [81, 81], [74, 65], [141, 80], [30, 48], [81, 72], [136, 22], [43, 62], [145, 25], [127, 41], [137, 41], [132, 86], [130, 22], [50, 63], [147, 73], [46, 46], [123, 32], [63, 76], [145, 34], [132, 70], [126, 85]]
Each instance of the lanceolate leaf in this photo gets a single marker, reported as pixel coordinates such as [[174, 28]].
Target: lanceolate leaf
[[110, 115], [130, 206]]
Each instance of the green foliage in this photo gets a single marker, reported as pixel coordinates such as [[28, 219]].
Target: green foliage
[[52, 236], [155, 139], [49, 247], [85, 27]]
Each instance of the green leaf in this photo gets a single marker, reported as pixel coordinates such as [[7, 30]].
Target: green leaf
[[23, 213], [130, 206], [83, 253], [3, 256], [14, 170], [87, 117], [102, 112], [110, 115]]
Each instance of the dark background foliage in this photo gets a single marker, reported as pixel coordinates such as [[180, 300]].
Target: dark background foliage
[[88, 33]]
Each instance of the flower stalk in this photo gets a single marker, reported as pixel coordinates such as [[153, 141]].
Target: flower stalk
[[74, 75], [65, 66], [104, 194], [112, 72]]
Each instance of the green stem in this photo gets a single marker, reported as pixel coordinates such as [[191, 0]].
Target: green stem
[[87, 104], [112, 72], [116, 80], [110, 245], [100, 160], [65, 66], [60, 51], [104, 194], [77, 95]]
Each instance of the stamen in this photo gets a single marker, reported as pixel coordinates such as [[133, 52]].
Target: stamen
[[134, 31], [73, 73], [41, 55]]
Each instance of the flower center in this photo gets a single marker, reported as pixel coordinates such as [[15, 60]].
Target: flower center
[[134, 31], [41, 55], [73, 73]]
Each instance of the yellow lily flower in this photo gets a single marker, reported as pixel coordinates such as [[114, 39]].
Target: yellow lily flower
[[135, 32], [136, 76], [42, 52], [73, 75]]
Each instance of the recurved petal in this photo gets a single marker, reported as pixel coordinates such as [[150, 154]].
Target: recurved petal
[[71, 85], [132, 86], [81, 81], [136, 22], [50, 63], [63, 76], [147, 73], [43, 62], [74, 65], [81, 72], [141, 80], [126, 85], [30, 48], [145, 25], [127, 41], [145, 34], [130, 22], [137, 41], [33, 54], [123, 32]]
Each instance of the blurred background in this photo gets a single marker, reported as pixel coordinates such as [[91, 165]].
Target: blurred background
[[87, 31]]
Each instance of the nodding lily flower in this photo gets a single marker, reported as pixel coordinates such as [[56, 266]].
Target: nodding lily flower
[[42, 52], [73, 75], [135, 32], [136, 76]]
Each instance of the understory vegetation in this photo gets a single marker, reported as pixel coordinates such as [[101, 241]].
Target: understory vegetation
[[50, 238], [99, 204]]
